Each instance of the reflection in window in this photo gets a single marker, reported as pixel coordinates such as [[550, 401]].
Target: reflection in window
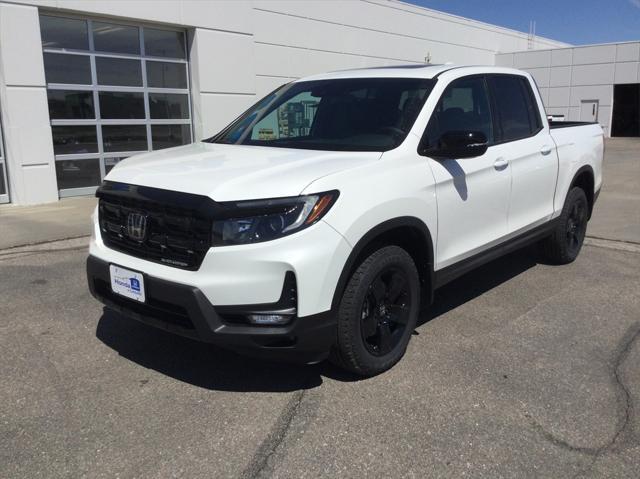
[[68, 140], [58, 32], [163, 43], [124, 137], [70, 105], [166, 75], [108, 37], [118, 71], [78, 173], [121, 105], [166, 136], [74, 69], [109, 163], [168, 105]]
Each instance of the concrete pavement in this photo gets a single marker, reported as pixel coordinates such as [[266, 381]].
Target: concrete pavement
[[23, 225], [520, 369]]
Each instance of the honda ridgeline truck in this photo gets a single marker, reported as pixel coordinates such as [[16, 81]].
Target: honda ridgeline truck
[[317, 223]]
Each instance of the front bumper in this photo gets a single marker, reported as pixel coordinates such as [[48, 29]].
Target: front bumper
[[185, 310]]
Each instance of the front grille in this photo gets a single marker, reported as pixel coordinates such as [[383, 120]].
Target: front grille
[[178, 228]]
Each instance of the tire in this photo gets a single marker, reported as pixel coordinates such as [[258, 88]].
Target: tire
[[564, 244], [378, 313]]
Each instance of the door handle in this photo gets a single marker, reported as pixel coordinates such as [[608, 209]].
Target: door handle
[[500, 164], [545, 150]]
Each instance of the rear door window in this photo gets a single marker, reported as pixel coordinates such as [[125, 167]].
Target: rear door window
[[516, 112]]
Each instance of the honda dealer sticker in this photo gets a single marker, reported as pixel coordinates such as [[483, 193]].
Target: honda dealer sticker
[[127, 283]]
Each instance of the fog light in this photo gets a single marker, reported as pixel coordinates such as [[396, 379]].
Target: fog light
[[269, 318]]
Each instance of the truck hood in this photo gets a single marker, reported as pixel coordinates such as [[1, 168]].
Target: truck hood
[[235, 172]]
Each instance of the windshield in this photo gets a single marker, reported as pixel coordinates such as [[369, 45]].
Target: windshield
[[355, 114]]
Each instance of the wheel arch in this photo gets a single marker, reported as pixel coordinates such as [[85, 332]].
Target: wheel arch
[[584, 178], [407, 232]]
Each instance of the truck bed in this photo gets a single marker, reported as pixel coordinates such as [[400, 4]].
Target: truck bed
[[566, 124]]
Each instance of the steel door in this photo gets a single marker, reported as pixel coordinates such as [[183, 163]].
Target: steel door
[[589, 110]]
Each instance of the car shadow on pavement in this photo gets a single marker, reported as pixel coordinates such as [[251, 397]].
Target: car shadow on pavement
[[480, 280], [200, 364], [211, 367]]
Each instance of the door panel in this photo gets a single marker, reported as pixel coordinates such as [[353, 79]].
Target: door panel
[[589, 110], [472, 193], [534, 169], [473, 199], [529, 149]]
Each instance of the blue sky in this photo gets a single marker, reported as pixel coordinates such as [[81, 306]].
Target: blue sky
[[573, 21]]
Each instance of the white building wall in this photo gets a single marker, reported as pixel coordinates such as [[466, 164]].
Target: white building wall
[[238, 51], [23, 102], [567, 76]]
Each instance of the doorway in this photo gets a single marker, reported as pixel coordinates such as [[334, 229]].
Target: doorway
[[626, 110]]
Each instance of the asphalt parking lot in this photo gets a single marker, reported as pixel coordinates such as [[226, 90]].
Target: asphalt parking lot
[[520, 369]]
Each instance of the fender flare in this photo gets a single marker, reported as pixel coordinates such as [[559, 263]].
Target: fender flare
[[590, 194], [368, 238]]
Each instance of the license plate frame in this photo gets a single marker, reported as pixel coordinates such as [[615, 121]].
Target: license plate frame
[[127, 283]]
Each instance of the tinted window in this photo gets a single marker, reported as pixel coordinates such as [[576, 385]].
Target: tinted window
[[118, 71], [74, 139], [166, 136], [124, 137], [168, 106], [516, 113], [121, 105], [163, 43], [166, 75], [74, 69], [359, 114], [58, 32], [78, 173], [464, 106], [70, 105], [108, 37]]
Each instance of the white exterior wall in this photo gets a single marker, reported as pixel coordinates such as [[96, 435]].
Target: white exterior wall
[[567, 76], [239, 50]]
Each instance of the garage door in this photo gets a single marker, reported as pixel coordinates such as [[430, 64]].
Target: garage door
[[114, 89]]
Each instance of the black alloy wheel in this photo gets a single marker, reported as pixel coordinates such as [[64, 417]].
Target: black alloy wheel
[[385, 311]]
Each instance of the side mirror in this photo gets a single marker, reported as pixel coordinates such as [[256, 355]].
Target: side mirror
[[458, 144]]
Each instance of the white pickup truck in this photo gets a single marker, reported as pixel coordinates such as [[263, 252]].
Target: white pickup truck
[[320, 221]]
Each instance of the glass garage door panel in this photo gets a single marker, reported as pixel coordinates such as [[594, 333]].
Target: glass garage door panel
[[113, 90]]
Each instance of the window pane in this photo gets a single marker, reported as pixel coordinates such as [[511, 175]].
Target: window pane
[[124, 137], [77, 173], [74, 139], [163, 43], [74, 69], [58, 32], [464, 105], [166, 136], [120, 105], [512, 106], [118, 71], [166, 75], [109, 163], [108, 37], [3, 188], [169, 105], [70, 105]]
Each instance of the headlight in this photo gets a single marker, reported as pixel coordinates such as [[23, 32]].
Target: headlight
[[264, 220]]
